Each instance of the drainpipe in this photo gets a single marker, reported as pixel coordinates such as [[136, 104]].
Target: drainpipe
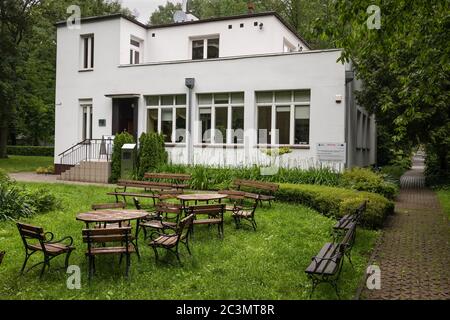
[[349, 76], [190, 83]]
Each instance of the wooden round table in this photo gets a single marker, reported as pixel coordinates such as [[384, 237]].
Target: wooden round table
[[115, 216], [111, 216], [201, 197]]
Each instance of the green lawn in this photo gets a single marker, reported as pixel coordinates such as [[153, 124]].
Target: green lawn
[[267, 264], [24, 163], [444, 198]]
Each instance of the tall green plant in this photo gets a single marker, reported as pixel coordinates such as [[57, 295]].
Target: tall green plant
[[152, 153], [116, 158]]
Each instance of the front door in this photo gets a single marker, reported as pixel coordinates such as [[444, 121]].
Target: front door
[[125, 116]]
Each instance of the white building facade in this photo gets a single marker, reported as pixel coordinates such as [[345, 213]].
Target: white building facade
[[222, 91]]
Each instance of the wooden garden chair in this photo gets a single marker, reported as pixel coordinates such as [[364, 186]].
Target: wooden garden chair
[[166, 215], [105, 206], [105, 236], [170, 241], [211, 214], [245, 213], [36, 240]]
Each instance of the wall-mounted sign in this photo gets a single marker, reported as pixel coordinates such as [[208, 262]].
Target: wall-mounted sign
[[332, 151]]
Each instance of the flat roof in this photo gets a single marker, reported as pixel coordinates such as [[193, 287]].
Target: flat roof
[[178, 24]]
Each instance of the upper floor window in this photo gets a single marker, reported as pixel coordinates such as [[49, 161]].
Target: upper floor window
[[283, 117], [87, 51], [207, 48], [135, 50]]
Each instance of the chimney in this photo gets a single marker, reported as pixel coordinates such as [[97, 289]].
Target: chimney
[[251, 7], [184, 5]]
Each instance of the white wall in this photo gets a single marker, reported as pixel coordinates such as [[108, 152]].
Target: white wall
[[73, 85], [314, 70], [173, 43]]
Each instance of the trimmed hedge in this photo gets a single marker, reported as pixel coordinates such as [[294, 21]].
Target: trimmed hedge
[[362, 179], [337, 202], [30, 151]]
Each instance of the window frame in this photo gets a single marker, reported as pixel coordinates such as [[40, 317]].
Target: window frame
[[136, 49], [173, 107], [229, 107], [87, 50], [292, 104], [87, 119], [205, 40]]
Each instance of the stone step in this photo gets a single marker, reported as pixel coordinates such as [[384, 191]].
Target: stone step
[[88, 171]]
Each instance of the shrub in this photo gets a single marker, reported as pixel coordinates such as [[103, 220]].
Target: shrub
[[4, 178], [152, 153], [392, 173], [13, 203], [336, 202], [17, 202], [116, 157], [222, 178], [366, 180], [31, 151], [46, 170], [436, 172], [42, 200]]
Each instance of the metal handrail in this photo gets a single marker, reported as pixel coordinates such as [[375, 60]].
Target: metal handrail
[[87, 149], [72, 147]]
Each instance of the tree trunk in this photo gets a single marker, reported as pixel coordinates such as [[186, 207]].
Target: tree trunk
[[443, 161], [3, 141]]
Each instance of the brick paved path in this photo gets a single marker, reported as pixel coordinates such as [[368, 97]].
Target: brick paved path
[[414, 250]]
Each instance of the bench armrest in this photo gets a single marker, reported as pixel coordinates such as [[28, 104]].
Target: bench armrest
[[69, 238]]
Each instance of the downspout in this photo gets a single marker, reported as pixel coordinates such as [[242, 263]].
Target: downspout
[[190, 83], [349, 76]]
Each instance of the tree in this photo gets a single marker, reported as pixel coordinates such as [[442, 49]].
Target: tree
[[404, 66], [15, 18], [164, 14], [32, 115]]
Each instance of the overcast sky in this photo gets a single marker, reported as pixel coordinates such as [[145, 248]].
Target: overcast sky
[[145, 7]]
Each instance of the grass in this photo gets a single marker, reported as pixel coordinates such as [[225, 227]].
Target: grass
[[24, 163], [267, 264], [444, 198]]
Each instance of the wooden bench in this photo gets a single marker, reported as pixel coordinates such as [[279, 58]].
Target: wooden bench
[[174, 180], [326, 266], [348, 220], [268, 189], [151, 189]]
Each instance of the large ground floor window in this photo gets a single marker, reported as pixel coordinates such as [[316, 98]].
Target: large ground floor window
[[166, 114], [221, 118], [283, 117]]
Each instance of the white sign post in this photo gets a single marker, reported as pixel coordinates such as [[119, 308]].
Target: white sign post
[[332, 152]]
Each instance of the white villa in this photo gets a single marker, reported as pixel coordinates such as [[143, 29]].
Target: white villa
[[221, 91]]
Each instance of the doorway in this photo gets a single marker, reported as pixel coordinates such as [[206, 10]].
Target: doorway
[[125, 116]]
